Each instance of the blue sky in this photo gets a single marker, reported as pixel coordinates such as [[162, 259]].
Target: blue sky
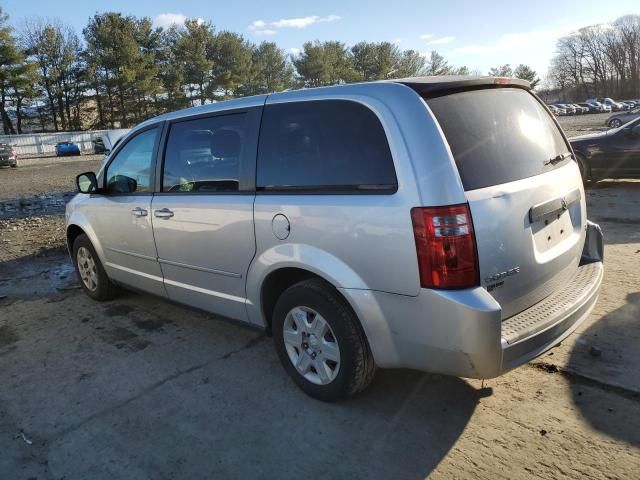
[[478, 34]]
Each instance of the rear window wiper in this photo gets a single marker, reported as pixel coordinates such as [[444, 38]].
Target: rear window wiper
[[558, 158]]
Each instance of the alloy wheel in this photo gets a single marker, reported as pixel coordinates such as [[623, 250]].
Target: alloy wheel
[[311, 345], [87, 268]]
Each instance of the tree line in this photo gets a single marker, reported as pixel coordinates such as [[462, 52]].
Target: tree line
[[122, 69], [599, 61]]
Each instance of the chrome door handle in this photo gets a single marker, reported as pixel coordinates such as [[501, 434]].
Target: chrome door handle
[[163, 213], [139, 212]]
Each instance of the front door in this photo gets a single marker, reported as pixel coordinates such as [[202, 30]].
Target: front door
[[121, 215], [203, 212], [624, 152]]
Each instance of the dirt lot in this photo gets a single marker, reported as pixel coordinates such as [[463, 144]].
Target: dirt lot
[[142, 388], [574, 125]]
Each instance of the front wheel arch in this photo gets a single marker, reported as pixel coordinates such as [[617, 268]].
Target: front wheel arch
[[585, 168]]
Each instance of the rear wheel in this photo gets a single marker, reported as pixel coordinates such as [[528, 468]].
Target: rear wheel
[[90, 271], [320, 342]]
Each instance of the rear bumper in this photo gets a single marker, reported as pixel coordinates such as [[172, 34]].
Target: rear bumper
[[542, 326], [460, 332]]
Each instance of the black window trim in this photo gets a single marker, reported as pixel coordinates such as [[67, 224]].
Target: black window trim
[[368, 189], [152, 172], [249, 152]]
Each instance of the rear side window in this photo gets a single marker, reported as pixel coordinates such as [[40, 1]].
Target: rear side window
[[327, 145], [204, 155], [498, 135]]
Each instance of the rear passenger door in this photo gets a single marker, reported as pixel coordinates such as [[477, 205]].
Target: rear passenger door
[[203, 211], [326, 190]]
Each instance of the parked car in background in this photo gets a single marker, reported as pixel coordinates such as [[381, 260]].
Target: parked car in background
[[315, 216], [630, 104], [611, 154], [556, 110], [64, 149], [569, 110], [618, 119], [615, 106], [8, 156], [599, 106], [98, 145], [580, 109], [591, 108]]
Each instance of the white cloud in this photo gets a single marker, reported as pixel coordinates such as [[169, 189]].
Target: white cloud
[[260, 27], [426, 36], [534, 48], [295, 51], [441, 41], [303, 22], [165, 20]]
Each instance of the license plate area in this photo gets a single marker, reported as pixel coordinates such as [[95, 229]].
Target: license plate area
[[550, 232], [551, 222]]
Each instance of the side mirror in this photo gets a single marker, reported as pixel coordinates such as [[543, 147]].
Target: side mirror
[[87, 182]]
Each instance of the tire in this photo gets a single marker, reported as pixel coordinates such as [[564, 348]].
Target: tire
[[615, 123], [308, 302], [85, 260], [15, 165]]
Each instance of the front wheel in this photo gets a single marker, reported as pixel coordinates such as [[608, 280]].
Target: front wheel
[[615, 123], [320, 342], [93, 278]]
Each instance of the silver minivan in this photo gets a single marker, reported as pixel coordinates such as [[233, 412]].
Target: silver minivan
[[435, 223]]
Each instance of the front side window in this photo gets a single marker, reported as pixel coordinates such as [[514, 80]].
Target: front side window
[[204, 155], [327, 145], [130, 170]]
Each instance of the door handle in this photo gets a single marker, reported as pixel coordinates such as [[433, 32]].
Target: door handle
[[163, 213], [139, 212]]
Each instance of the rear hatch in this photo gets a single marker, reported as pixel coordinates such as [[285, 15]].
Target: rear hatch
[[524, 191]]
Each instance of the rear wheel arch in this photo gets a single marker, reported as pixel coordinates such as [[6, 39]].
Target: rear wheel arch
[[274, 285], [278, 281]]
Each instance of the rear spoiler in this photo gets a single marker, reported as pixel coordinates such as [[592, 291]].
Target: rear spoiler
[[435, 86]]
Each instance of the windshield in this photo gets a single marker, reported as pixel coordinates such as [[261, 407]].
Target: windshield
[[498, 135]]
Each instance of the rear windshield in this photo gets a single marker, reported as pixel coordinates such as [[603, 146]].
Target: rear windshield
[[498, 135]]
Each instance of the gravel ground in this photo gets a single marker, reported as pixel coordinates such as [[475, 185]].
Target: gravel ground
[[143, 388], [575, 125], [46, 177]]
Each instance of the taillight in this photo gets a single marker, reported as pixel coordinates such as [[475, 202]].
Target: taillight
[[446, 246]]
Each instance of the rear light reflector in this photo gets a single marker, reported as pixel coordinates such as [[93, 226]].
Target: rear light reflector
[[446, 247]]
